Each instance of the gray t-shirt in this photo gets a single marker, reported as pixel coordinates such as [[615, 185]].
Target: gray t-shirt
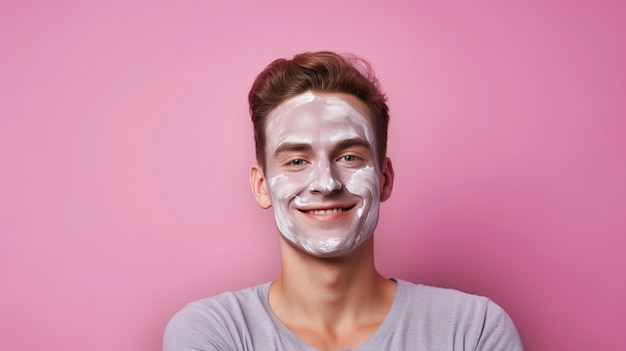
[[421, 318]]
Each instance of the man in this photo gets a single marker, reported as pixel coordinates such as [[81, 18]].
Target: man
[[320, 123]]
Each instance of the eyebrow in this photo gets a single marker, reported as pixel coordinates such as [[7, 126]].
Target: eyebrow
[[352, 142], [289, 147]]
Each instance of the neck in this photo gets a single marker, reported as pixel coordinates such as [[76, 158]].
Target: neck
[[330, 291]]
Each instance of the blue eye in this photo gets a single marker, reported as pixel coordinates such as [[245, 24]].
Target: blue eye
[[349, 158], [297, 162]]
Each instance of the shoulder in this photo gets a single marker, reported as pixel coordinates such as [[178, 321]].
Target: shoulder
[[476, 317], [435, 297], [215, 323]]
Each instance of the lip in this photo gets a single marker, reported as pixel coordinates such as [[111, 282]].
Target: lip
[[326, 209], [326, 213]]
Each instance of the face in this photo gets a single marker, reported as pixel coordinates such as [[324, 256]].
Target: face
[[322, 172]]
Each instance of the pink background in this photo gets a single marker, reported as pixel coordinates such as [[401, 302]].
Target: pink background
[[125, 145]]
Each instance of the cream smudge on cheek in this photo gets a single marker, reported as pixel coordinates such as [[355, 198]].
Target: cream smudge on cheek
[[365, 184], [283, 191]]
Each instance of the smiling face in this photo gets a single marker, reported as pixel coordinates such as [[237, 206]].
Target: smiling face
[[322, 172]]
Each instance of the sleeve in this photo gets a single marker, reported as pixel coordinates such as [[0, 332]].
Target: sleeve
[[498, 332], [193, 329]]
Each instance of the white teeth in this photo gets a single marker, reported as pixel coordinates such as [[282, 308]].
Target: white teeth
[[326, 212]]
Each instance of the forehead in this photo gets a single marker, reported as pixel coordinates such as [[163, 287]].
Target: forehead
[[316, 113], [355, 103]]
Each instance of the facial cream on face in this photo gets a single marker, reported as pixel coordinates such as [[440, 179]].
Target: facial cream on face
[[322, 173]]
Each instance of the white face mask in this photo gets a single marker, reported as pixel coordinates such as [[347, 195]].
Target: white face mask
[[323, 174]]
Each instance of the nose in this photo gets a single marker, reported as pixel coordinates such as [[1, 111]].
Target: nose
[[324, 181]]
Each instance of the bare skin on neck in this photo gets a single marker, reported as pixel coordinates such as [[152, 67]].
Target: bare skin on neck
[[331, 303]]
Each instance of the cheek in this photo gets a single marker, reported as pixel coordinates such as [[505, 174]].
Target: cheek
[[284, 188], [364, 183]]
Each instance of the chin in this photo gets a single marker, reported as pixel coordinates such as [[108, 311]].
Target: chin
[[331, 248]]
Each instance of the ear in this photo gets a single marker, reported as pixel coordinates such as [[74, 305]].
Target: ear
[[258, 184], [386, 180]]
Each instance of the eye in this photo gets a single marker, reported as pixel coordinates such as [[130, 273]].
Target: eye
[[352, 160], [296, 163]]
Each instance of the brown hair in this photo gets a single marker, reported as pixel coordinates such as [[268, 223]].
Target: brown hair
[[322, 71]]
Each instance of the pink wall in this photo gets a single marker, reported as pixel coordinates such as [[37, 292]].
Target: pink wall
[[125, 146]]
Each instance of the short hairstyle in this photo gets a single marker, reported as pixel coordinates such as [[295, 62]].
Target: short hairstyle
[[322, 71]]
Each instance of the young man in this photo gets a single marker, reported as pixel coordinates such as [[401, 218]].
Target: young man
[[320, 123]]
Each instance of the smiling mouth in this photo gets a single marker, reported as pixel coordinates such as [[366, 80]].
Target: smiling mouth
[[328, 211]]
